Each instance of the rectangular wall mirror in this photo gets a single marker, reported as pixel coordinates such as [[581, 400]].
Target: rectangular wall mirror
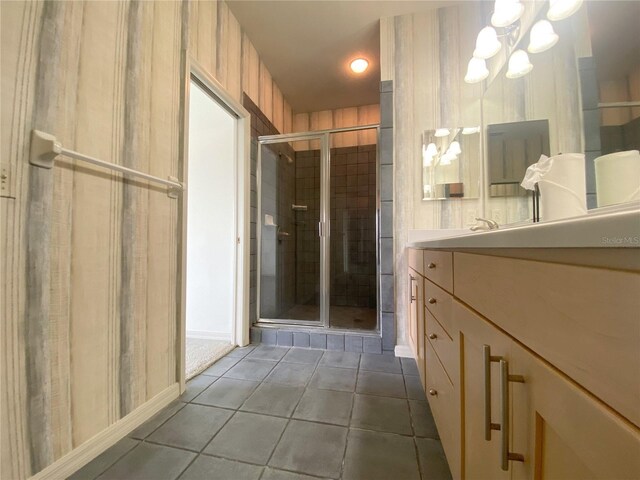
[[511, 148], [451, 163]]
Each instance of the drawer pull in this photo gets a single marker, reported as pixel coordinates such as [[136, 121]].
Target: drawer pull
[[432, 300], [488, 358], [433, 392], [431, 265], [433, 336], [505, 378], [411, 280]]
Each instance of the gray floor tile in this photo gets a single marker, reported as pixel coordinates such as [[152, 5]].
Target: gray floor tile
[[248, 369], [380, 456], [423, 423], [103, 461], [221, 366], [433, 462], [192, 427], [383, 414], [268, 352], [380, 363], [311, 448], [275, 474], [154, 422], [340, 359], [211, 468], [240, 352], [273, 399], [331, 378], [248, 437], [296, 374], [302, 355], [148, 461], [325, 406], [414, 388], [409, 366], [227, 393], [378, 383], [195, 386]]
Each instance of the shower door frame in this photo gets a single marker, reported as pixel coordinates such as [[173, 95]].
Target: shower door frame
[[324, 223]]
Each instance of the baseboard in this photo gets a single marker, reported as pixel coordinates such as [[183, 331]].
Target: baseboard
[[227, 337], [403, 351], [80, 456]]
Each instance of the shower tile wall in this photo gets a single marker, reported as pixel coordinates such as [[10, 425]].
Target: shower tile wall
[[307, 240], [353, 226]]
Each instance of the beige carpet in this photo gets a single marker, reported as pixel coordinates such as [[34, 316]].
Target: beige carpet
[[201, 353]]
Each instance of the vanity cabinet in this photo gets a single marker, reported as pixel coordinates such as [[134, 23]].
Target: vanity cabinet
[[555, 429], [530, 373], [416, 313], [434, 345]]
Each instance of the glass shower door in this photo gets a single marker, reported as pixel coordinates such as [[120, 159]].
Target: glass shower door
[[291, 226]]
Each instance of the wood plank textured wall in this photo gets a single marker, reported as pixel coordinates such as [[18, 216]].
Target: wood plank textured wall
[[341, 117], [426, 54], [88, 259], [217, 42]]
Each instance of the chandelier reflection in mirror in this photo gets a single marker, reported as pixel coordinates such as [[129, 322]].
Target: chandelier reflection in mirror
[[451, 163]]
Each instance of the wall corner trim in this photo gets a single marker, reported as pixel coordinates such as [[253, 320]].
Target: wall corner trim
[[403, 351], [80, 456]]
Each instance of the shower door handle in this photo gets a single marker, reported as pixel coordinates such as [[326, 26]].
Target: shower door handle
[[320, 229]]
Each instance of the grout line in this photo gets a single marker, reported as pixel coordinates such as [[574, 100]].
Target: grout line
[[293, 411], [138, 442], [353, 401]]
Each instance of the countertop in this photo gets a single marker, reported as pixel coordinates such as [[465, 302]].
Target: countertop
[[616, 229]]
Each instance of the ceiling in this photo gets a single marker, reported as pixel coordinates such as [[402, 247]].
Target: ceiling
[[307, 46]]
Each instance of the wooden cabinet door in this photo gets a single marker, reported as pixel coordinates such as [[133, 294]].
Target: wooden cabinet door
[[413, 312], [420, 347], [481, 456], [562, 431]]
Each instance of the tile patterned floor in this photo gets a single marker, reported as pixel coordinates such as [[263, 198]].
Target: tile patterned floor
[[276, 413]]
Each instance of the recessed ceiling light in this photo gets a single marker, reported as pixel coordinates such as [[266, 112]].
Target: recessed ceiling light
[[359, 65]]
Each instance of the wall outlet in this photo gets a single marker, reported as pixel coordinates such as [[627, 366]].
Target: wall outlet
[[497, 216], [6, 181]]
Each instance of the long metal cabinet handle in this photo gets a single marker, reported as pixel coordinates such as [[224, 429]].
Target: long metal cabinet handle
[[411, 280], [487, 359], [505, 378]]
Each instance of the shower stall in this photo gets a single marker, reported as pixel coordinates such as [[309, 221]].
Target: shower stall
[[317, 230]]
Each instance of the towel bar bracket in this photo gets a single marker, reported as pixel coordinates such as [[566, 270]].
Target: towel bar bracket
[[44, 149]]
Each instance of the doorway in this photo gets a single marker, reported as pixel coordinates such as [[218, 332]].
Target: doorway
[[215, 225], [317, 231]]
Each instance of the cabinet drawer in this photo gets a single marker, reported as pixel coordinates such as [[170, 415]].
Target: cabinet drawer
[[443, 345], [438, 267], [439, 304], [445, 408], [582, 320], [416, 260]]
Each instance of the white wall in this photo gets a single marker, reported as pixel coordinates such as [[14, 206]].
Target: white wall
[[211, 217]]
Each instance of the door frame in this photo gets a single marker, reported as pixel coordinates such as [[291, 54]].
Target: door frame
[[240, 320], [323, 220], [324, 136]]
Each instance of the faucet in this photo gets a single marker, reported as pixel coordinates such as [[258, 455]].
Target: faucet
[[489, 225]]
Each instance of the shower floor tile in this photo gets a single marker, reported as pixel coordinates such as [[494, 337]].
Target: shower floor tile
[[354, 318]]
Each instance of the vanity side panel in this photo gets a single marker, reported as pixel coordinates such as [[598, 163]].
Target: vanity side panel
[[584, 321]]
